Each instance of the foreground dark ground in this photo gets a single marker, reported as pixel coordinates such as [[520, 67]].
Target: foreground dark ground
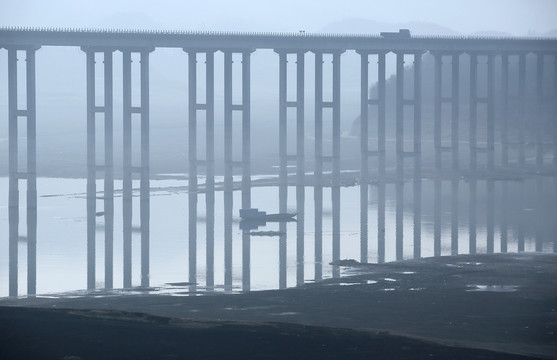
[[462, 307]]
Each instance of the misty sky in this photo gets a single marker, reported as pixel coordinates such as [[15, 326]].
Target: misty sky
[[518, 17]]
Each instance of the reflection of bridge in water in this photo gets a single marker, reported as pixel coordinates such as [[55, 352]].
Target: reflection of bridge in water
[[505, 146]]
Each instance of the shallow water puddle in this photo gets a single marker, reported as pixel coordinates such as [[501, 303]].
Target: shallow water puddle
[[494, 288]]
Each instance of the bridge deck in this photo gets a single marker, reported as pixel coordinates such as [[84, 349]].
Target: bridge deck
[[293, 42]]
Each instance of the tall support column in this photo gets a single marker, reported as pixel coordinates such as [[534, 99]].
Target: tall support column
[[473, 140], [283, 160], [192, 176], [300, 166], [417, 154], [364, 151], [399, 154], [335, 191], [473, 151], [505, 110], [539, 111], [381, 147], [15, 174], [490, 152], [91, 170], [504, 149], [31, 174], [490, 113], [210, 170], [521, 110], [127, 199], [228, 171], [554, 118], [246, 167], [108, 167], [438, 58], [108, 197], [318, 172], [144, 179], [455, 137]]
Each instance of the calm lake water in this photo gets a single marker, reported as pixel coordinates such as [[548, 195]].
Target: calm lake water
[[528, 209]]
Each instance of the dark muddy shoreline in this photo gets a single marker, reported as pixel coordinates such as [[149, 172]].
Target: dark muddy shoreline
[[446, 306]]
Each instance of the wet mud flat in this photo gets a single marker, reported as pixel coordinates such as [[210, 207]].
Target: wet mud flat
[[500, 306]]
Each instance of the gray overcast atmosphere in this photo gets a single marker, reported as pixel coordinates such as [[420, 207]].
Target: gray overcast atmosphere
[[517, 17]]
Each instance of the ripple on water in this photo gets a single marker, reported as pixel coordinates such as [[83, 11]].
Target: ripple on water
[[493, 288]]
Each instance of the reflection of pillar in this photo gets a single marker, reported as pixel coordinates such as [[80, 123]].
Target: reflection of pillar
[[417, 154], [504, 215], [473, 183], [30, 173], [520, 225], [399, 154], [228, 167], [490, 223], [540, 223]]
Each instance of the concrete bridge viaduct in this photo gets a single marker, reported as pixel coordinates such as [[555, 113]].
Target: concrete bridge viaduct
[[446, 51]]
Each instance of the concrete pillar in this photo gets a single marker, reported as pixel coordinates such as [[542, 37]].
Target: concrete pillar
[[91, 170], [108, 196], [417, 184], [521, 109], [540, 213], [318, 172], [228, 171], [381, 133], [364, 150], [505, 111], [437, 74], [504, 216], [539, 107], [144, 179], [246, 132], [555, 119], [335, 190], [192, 176], [127, 199], [491, 112], [13, 200], [473, 140], [210, 169], [246, 261], [437, 81], [399, 154], [300, 165], [455, 134], [283, 175], [31, 174]]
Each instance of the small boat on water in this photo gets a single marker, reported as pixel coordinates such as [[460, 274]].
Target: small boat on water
[[256, 215]]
